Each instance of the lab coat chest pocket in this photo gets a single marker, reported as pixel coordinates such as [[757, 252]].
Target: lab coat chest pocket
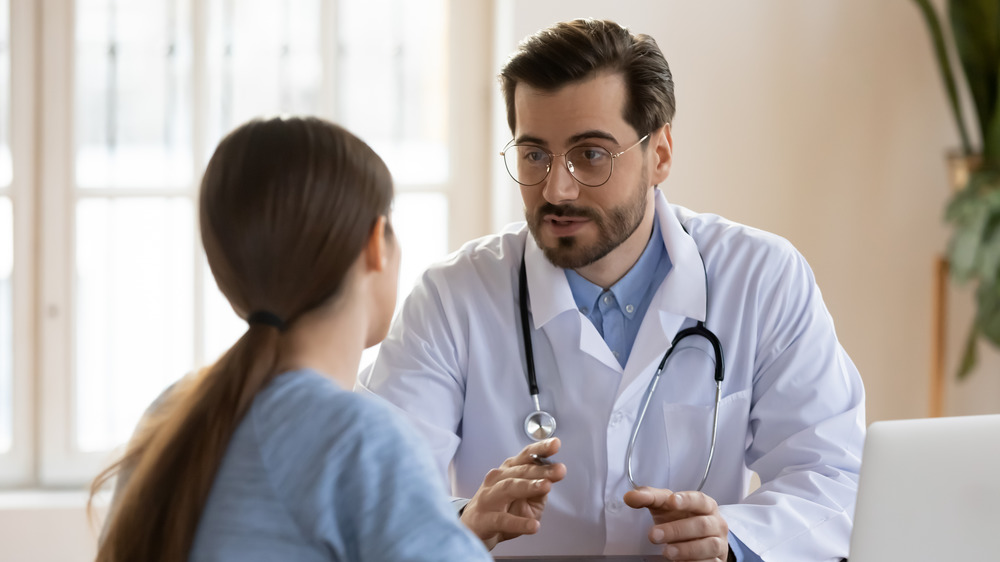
[[688, 430]]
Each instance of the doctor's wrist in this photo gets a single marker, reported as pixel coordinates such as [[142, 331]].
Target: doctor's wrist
[[458, 504]]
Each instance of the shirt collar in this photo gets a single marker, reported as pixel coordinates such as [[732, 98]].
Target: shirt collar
[[630, 289], [683, 292]]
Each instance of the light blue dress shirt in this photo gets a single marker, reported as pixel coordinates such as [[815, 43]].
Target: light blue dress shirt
[[618, 311]]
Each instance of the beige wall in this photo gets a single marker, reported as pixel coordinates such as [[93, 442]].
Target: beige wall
[[824, 122]]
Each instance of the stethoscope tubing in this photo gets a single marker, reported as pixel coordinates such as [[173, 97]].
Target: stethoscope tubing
[[540, 424], [698, 330]]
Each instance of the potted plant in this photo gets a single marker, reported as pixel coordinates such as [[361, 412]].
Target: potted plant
[[974, 209]]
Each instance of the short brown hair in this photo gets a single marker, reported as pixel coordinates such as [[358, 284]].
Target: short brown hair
[[572, 51]]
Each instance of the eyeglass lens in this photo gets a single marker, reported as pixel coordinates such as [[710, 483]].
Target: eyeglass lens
[[529, 165]]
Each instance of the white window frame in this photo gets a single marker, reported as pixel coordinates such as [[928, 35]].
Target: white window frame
[[44, 455], [56, 227], [16, 465]]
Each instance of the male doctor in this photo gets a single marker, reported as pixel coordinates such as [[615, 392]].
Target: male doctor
[[613, 273]]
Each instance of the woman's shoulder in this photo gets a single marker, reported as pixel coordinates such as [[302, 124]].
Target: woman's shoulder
[[306, 407], [313, 396]]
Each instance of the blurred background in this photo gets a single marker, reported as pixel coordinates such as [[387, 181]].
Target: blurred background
[[825, 122]]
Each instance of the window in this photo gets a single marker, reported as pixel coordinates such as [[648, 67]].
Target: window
[[6, 243], [16, 239], [136, 96]]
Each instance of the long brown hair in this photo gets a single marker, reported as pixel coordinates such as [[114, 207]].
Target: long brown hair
[[572, 51], [286, 208]]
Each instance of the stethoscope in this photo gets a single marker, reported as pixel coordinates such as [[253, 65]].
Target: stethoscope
[[539, 424]]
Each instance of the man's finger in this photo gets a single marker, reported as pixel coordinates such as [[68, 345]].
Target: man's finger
[[708, 548], [509, 524], [552, 472], [652, 498], [689, 528], [517, 489], [545, 448], [693, 502]]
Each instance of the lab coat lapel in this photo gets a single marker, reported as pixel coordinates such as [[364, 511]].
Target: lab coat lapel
[[550, 301], [681, 296]]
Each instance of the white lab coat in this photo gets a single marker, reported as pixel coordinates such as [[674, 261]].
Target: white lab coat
[[792, 402]]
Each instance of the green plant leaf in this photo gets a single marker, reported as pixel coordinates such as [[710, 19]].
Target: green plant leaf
[[969, 356], [969, 216], [988, 312], [944, 67], [988, 258], [991, 134], [975, 26]]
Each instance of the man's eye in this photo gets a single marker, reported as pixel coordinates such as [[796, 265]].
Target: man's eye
[[592, 156], [533, 156]]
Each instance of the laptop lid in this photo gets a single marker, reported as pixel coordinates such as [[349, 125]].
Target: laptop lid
[[929, 489]]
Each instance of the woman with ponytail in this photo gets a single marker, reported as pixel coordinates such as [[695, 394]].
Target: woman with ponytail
[[267, 455]]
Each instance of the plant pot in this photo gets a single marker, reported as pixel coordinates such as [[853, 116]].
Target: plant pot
[[960, 167]]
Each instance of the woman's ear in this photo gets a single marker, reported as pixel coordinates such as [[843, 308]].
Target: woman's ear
[[376, 252], [663, 150]]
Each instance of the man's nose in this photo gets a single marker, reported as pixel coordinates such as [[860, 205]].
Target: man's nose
[[560, 186]]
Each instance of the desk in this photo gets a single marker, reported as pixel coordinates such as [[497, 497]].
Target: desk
[[609, 558]]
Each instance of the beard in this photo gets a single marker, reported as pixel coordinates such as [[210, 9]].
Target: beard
[[613, 228]]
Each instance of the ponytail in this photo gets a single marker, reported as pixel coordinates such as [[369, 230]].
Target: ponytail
[[173, 459]]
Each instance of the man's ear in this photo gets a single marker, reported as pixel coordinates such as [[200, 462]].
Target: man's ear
[[662, 144], [376, 256]]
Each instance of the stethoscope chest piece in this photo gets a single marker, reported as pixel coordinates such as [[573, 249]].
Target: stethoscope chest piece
[[539, 425]]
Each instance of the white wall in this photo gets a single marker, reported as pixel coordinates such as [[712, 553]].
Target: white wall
[[48, 527], [824, 122]]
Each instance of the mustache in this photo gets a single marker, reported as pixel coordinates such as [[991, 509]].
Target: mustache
[[566, 211]]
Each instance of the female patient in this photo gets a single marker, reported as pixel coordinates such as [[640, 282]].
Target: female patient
[[267, 455]]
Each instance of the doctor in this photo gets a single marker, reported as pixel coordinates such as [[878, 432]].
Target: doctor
[[613, 273]]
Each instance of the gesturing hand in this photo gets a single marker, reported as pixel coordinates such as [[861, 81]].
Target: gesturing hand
[[510, 501], [688, 523]]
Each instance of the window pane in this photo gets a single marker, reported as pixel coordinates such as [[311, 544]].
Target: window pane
[[393, 84], [420, 221], [264, 58], [134, 261], [6, 324], [6, 169], [133, 109]]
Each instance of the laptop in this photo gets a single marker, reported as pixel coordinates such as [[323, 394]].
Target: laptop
[[929, 489]]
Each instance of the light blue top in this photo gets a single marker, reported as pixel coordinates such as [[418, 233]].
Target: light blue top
[[314, 472], [617, 314]]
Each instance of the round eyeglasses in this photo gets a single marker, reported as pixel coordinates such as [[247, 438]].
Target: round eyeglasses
[[529, 164]]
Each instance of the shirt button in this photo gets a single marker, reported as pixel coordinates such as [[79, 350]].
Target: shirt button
[[585, 311], [614, 505], [629, 308], [616, 354], [616, 418], [607, 299]]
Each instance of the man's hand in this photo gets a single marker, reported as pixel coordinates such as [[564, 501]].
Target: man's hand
[[510, 501], [688, 523]]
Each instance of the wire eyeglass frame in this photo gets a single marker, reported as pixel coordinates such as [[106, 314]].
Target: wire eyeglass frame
[[570, 167]]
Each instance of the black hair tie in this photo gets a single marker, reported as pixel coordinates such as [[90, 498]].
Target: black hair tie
[[266, 318]]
